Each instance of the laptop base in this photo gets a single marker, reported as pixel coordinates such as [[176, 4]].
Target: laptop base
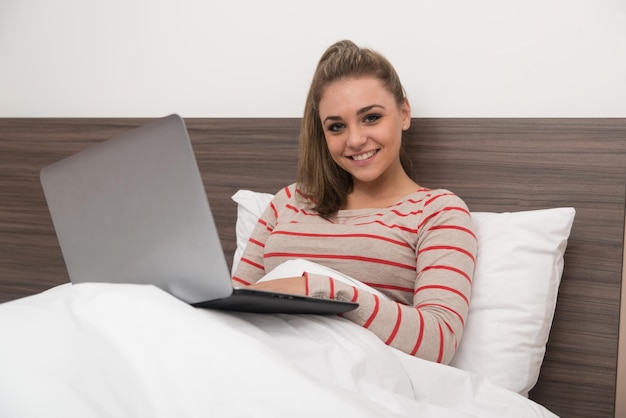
[[256, 301]]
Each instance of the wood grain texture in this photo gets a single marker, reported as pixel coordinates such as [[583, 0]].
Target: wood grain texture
[[494, 164]]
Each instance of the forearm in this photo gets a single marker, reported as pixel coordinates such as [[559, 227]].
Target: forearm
[[431, 331]]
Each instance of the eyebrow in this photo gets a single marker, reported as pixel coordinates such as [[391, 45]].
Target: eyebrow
[[359, 112]]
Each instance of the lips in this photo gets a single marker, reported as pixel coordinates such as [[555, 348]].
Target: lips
[[364, 156]]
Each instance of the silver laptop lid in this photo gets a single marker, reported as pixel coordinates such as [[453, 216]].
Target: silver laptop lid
[[133, 210]]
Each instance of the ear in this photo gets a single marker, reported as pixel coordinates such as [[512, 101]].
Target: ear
[[405, 112]]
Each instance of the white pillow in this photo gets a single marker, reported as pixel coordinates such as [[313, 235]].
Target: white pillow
[[250, 206], [514, 290], [518, 272]]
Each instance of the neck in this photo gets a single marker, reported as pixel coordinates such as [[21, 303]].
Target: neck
[[381, 193]]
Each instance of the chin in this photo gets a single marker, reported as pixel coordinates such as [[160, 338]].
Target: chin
[[366, 179]]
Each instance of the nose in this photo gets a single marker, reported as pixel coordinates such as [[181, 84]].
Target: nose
[[356, 137]]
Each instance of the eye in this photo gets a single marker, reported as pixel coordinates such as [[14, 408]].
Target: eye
[[371, 118], [335, 127]]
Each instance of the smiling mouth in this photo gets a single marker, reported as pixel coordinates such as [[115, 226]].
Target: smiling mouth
[[364, 156]]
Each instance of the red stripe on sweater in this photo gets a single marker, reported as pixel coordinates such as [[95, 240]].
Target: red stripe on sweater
[[255, 242], [425, 305], [457, 227], [341, 257], [304, 196], [420, 335], [274, 210], [389, 287], [404, 215], [414, 201], [262, 222], [447, 247], [301, 211], [449, 268], [403, 228], [355, 295], [314, 235], [396, 327], [433, 198], [292, 208], [288, 192], [331, 283], [440, 356], [434, 214], [240, 280], [374, 313], [252, 263], [441, 287]]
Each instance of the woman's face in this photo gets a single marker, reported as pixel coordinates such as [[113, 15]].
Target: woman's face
[[363, 127]]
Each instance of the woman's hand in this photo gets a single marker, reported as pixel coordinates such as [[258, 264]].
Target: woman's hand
[[293, 285]]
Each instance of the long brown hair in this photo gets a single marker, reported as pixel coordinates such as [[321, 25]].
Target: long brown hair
[[319, 177]]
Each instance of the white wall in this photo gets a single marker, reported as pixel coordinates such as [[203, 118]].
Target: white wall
[[251, 58]]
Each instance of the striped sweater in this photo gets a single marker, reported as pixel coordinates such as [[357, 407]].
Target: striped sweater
[[419, 252]]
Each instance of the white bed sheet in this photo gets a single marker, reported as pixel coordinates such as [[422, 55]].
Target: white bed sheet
[[105, 350]]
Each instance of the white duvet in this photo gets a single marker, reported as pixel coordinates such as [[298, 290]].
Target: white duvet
[[104, 350]]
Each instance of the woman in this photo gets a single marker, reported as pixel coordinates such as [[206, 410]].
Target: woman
[[356, 209]]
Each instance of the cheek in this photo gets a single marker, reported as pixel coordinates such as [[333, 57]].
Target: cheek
[[335, 146]]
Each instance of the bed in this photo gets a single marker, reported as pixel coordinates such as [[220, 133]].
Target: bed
[[102, 350]]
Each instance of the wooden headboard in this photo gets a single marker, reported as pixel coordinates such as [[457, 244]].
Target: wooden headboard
[[493, 164]]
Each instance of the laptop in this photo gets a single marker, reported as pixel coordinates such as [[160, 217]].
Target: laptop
[[133, 209]]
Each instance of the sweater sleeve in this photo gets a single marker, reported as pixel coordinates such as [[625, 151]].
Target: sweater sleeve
[[251, 267], [430, 328]]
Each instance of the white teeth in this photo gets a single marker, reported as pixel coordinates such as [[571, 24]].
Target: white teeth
[[363, 156]]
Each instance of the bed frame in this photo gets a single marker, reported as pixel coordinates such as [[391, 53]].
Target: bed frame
[[494, 164]]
